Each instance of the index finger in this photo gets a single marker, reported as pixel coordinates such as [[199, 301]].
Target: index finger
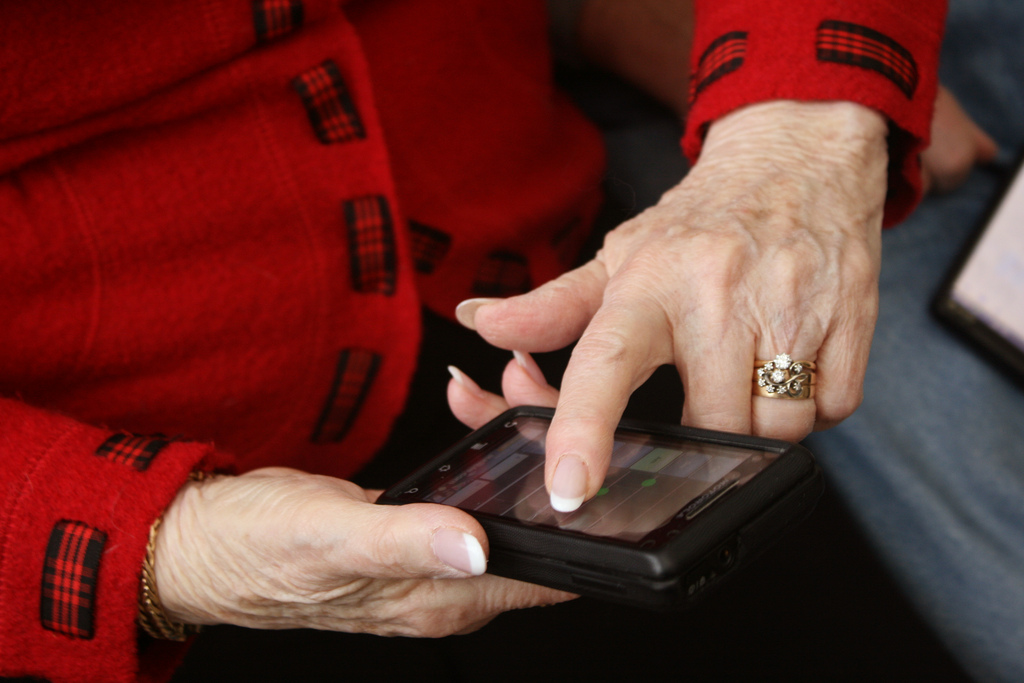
[[619, 350]]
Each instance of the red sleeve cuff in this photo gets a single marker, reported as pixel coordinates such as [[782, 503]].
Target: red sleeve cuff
[[882, 54], [76, 505]]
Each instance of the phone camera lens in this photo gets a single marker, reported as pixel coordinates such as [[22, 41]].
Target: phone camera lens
[[726, 557]]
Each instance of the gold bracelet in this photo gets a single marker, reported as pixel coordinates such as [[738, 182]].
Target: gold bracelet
[[152, 617]]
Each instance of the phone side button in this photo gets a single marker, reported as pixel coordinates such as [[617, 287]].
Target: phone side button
[[600, 585]]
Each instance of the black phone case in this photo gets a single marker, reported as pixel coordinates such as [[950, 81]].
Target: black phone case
[[669, 574]]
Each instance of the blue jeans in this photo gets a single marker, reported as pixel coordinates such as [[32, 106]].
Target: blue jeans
[[932, 464]]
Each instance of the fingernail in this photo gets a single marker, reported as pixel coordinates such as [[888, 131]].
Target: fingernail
[[464, 380], [465, 312], [459, 550], [569, 485], [527, 363]]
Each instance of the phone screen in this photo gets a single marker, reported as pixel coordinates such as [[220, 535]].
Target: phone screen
[[991, 284], [652, 479]]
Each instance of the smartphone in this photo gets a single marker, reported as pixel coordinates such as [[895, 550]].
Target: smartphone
[[981, 297], [679, 510]]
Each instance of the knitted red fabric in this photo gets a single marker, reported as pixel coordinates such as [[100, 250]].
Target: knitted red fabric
[[203, 238]]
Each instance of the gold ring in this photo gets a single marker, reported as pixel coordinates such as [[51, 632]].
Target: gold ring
[[784, 377]]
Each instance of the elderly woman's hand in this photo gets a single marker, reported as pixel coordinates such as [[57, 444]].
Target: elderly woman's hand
[[770, 245], [278, 548]]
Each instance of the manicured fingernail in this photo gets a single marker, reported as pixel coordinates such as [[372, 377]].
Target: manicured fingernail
[[459, 550], [465, 312], [569, 485], [464, 380], [527, 363]]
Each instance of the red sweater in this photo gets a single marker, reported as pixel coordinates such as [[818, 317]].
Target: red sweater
[[220, 220]]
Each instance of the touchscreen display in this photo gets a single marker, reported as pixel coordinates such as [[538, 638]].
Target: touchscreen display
[[991, 284], [651, 480]]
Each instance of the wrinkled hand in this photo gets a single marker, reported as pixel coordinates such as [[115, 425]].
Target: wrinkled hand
[[958, 144], [278, 548], [771, 244]]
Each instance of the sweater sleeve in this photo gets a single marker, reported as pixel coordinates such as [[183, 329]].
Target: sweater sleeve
[[879, 53], [76, 504]]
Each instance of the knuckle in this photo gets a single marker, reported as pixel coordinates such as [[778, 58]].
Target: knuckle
[[621, 242], [792, 269], [604, 346], [716, 256], [615, 350]]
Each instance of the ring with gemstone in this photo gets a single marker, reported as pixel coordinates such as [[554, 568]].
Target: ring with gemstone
[[784, 377]]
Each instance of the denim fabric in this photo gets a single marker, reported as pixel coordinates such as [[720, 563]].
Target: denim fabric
[[932, 463]]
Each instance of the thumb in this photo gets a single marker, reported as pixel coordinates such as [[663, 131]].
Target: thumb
[[414, 541], [548, 318]]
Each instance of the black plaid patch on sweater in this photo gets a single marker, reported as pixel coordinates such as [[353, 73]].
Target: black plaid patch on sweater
[[502, 273], [846, 43], [724, 55], [371, 243], [275, 18], [353, 376], [69, 578], [429, 246], [128, 449], [330, 108]]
